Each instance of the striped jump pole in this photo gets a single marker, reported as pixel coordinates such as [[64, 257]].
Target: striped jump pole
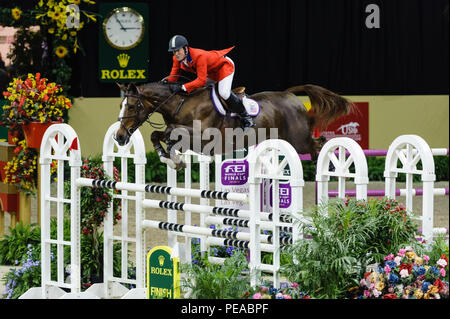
[[202, 231], [398, 192], [156, 189], [265, 225], [221, 211]]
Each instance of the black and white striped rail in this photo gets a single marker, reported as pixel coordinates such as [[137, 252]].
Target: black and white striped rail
[[203, 209], [175, 191], [202, 231]]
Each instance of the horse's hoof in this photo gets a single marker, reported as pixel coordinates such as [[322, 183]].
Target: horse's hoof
[[180, 166], [168, 161]]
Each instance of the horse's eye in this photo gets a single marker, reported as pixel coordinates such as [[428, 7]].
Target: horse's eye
[[130, 107]]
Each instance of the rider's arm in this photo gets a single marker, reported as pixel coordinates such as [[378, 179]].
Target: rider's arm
[[175, 71], [202, 72]]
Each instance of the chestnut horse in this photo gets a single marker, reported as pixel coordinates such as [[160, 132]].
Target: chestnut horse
[[281, 110]]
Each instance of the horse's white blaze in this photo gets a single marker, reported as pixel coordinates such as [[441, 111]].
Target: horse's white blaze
[[122, 110]]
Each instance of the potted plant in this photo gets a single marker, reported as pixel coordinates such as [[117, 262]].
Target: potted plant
[[33, 104]]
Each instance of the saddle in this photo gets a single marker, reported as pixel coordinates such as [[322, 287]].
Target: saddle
[[250, 105]]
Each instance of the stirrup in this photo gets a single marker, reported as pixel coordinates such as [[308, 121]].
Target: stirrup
[[246, 121]]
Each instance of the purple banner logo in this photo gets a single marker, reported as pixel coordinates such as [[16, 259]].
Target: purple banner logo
[[234, 173], [285, 195]]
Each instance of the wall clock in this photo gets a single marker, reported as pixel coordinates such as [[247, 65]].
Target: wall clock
[[124, 28]]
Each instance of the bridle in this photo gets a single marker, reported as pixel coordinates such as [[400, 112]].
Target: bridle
[[140, 107]]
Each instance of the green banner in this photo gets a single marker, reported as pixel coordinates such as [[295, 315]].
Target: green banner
[[163, 276], [123, 42]]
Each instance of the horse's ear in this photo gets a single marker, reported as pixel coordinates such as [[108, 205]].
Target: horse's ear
[[121, 86], [133, 88]]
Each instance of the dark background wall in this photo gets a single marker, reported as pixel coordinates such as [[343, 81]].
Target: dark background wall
[[282, 43]]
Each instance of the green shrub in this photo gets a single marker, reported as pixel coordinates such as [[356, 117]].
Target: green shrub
[[345, 236], [208, 281], [13, 247]]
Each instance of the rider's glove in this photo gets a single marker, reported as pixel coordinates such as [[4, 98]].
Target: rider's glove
[[175, 88]]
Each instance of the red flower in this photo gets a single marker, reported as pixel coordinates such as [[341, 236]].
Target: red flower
[[443, 256], [438, 283], [390, 296], [406, 266]]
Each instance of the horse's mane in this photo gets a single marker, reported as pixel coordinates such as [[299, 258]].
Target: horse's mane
[[166, 85]]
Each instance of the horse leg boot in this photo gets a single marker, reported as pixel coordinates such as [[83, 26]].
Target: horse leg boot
[[237, 107], [179, 164], [163, 155]]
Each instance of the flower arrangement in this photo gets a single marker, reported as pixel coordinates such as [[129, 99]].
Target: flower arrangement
[[96, 201], [33, 100], [54, 16], [286, 291], [407, 276], [59, 25], [21, 170]]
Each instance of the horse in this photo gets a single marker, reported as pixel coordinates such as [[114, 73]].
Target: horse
[[279, 110]]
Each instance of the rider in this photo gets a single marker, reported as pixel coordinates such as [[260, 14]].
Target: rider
[[214, 65]]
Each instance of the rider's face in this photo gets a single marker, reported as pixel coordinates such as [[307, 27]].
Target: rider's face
[[179, 54]]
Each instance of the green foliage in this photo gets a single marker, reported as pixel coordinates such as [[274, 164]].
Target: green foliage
[[208, 281], [438, 247], [345, 236], [13, 247]]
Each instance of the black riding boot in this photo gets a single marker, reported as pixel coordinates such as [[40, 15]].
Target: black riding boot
[[237, 107]]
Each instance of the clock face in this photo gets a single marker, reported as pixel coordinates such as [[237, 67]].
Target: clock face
[[123, 28]]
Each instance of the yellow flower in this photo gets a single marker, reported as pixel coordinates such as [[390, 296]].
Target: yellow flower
[[418, 294], [51, 30], [73, 33], [90, 16], [379, 285], [61, 51], [41, 3], [64, 37], [410, 254], [77, 2], [418, 261], [16, 13], [433, 289]]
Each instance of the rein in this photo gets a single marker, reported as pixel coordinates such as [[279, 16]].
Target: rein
[[140, 106]]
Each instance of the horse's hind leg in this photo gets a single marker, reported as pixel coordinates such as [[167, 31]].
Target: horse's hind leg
[[317, 144]]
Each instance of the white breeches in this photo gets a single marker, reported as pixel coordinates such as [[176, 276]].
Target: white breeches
[[225, 84]]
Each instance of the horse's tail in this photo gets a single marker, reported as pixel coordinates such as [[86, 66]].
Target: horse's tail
[[326, 106]]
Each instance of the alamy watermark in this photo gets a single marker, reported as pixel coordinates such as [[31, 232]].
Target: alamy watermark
[[373, 19], [73, 17], [212, 141]]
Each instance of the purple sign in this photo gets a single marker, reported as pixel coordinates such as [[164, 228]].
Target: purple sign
[[285, 195], [234, 173]]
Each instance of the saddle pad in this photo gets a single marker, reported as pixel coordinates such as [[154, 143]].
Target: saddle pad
[[251, 106]]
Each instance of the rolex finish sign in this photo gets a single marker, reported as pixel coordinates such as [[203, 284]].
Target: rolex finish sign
[[163, 275], [123, 42]]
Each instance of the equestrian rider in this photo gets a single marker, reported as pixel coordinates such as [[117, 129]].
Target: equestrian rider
[[214, 65]]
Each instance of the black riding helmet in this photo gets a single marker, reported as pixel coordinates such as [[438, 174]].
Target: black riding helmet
[[177, 42]]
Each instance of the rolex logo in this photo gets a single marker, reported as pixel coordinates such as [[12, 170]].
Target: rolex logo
[[123, 60], [161, 260]]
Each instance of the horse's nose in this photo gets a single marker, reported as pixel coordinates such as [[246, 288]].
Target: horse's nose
[[121, 139]]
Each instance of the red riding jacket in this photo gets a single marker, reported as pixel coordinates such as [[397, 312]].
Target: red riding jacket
[[206, 64]]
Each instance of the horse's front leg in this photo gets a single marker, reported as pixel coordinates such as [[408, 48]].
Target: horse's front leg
[[168, 157], [156, 138]]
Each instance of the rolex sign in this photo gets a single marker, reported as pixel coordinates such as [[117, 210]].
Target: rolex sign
[[123, 42], [163, 276]]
